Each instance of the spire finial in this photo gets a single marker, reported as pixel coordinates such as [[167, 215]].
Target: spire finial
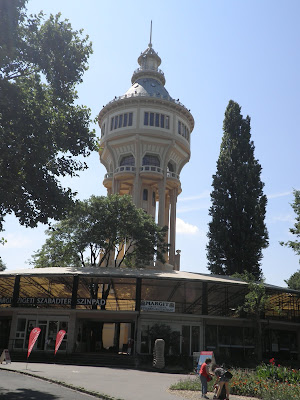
[[150, 43]]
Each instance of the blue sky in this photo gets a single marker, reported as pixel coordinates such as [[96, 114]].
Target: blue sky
[[211, 51]]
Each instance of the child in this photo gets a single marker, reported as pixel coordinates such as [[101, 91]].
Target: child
[[205, 376]]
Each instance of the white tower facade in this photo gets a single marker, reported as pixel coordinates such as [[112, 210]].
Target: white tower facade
[[145, 142]]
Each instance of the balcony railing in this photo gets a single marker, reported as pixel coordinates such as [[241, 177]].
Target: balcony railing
[[151, 168], [125, 168], [144, 168], [149, 69], [164, 97], [172, 175]]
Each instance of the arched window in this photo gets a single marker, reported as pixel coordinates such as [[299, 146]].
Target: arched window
[[127, 160], [170, 167], [145, 194], [149, 159]]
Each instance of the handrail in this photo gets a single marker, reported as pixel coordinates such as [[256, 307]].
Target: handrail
[[172, 175], [164, 97], [149, 69], [144, 168], [151, 168], [125, 168]]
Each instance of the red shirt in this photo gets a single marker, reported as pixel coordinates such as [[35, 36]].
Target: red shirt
[[203, 370]]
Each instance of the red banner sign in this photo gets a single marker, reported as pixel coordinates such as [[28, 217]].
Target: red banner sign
[[59, 338], [34, 334]]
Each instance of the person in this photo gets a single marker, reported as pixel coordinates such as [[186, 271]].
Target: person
[[205, 376], [221, 381]]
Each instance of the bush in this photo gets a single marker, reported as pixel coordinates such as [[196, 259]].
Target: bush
[[267, 382]]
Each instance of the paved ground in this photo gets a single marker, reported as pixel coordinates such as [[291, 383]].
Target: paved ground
[[122, 384], [14, 386]]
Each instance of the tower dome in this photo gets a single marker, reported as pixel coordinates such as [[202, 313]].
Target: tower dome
[[145, 142]]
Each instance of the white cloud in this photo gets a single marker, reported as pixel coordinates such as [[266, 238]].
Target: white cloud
[[282, 218], [276, 195], [186, 228], [203, 195]]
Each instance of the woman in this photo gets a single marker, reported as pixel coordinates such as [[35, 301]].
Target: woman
[[221, 380], [205, 376]]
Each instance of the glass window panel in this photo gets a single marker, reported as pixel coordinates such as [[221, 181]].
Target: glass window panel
[[185, 344], [145, 339], [211, 336], [127, 160], [120, 120], [151, 119], [225, 333], [6, 290], [45, 292], [130, 119], [195, 339], [179, 127], [145, 195], [248, 336], [112, 123], [146, 118], [167, 122], [149, 159], [116, 121], [162, 121], [103, 130], [125, 120], [157, 120], [106, 294], [21, 324], [52, 332]]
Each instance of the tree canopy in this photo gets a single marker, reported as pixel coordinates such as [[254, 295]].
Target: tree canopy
[[42, 130], [103, 231], [295, 244], [294, 281], [237, 232], [255, 304]]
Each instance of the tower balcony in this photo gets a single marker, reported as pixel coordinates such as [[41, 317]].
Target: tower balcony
[[172, 175], [124, 172], [107, 181], [173, 180], [153, 72], [151, 171]]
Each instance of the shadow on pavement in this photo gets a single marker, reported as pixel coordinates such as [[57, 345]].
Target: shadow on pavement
[[26, 394]]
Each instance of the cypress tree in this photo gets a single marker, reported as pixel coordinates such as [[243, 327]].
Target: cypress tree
[[237, 232]]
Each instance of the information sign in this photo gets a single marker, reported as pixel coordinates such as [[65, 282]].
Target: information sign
[[203, 356], [5, 356]]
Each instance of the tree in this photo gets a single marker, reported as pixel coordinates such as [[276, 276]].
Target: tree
[[255, 304], [237, 232], [41, 128], [111, 230], [295, 244], [2, 265], [294, 281]]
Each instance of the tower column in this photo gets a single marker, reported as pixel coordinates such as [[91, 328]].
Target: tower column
[[162, 202], [137, 180], [173, 201]]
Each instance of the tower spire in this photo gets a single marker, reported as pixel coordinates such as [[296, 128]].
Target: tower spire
[[150, 43]]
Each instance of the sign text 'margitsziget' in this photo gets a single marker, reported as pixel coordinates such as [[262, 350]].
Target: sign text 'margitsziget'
[[153, 305]]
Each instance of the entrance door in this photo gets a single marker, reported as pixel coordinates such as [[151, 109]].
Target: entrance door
[[110, 337], [4, 333]]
